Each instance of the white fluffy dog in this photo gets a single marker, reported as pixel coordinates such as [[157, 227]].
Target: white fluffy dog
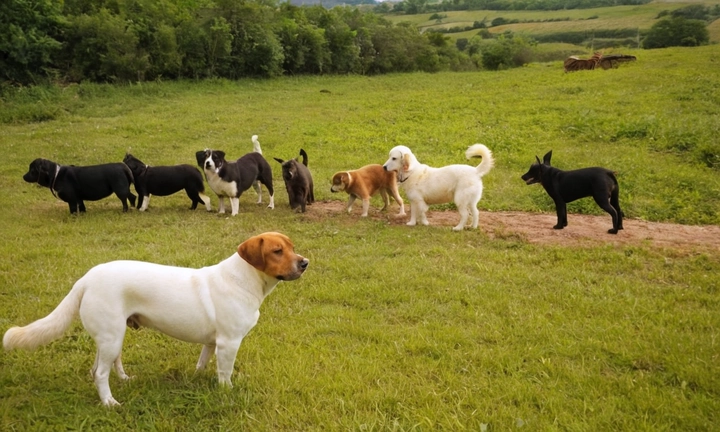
[[425, 185]]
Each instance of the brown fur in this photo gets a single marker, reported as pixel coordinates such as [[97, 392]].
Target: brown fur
[[273, 254], [366, 182]]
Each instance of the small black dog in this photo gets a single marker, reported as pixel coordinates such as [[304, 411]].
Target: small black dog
[[166, 180], [75, 184], [298, 182], [567, 186]]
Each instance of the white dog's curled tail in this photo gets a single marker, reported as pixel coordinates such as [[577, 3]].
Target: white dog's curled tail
[[46, 330], [479, 150], [256, 144]]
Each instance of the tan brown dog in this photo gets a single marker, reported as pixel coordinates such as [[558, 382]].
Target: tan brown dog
[[366, 182], [215, 306]]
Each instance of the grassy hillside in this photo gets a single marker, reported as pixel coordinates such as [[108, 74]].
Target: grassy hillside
[[392, 327], [640, 17]]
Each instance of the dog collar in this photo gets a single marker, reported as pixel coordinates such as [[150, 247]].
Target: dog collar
[[402, 180]]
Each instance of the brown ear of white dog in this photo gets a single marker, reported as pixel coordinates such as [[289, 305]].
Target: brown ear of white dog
[[274, 254]]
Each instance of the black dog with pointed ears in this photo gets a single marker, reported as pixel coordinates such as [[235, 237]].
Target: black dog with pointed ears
[[298, 182], [567, 186]]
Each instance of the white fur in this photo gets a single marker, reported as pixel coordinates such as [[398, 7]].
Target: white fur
[[206, 201], [425, 185], [215, 306]]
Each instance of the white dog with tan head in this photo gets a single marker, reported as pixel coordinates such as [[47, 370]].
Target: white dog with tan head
[[425, 185], [215, 306]]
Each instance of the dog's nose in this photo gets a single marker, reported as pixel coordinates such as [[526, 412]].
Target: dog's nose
[[385, 167], [304, 263]]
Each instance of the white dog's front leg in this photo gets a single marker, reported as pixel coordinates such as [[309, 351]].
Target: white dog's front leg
[[414, 211], [422, 213], [221, 204], [235, 204], [101, 374], [119, 369], [205, 355], [272, 202], [226, 353]]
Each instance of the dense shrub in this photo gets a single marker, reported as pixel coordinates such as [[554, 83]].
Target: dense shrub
[[676, 32]]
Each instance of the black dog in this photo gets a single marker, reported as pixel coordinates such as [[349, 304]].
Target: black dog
[[231, 179], [74, 184], [166, 180], [298, 181], [567, 186]]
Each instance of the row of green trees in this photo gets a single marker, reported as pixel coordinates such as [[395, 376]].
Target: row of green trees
[[136, 40], [139, 40]]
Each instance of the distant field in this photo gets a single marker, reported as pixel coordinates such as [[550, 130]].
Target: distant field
[[619, 17]]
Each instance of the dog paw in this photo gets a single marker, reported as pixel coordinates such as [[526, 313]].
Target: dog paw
[[612, 231], [458, 228], [411, 223], [558, 227], [110, 402]]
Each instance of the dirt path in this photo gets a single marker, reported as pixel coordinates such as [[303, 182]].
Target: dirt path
[[537, 228]]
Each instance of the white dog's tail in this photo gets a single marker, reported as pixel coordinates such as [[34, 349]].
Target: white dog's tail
[[479, 150], [256, 144], [46, 330]]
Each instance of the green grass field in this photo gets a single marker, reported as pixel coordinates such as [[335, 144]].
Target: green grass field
[[392, 327]]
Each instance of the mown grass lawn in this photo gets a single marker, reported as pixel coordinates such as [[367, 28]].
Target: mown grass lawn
[[392, 327]]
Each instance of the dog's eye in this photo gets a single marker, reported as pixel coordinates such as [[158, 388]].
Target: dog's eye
[[278, 251]]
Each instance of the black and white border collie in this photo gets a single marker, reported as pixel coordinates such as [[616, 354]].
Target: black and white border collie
[[231, 179]]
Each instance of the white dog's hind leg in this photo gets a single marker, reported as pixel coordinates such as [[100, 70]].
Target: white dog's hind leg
[[146, 203], [272, 202], [205, 355], [475, 216], [464, 213]]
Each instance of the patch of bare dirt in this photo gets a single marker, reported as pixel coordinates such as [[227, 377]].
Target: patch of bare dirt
[[537, 227]]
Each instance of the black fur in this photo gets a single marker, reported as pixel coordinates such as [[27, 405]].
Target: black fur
[[74, 184], [567, 186], [165, 180], [247, 170], [298, 182]]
